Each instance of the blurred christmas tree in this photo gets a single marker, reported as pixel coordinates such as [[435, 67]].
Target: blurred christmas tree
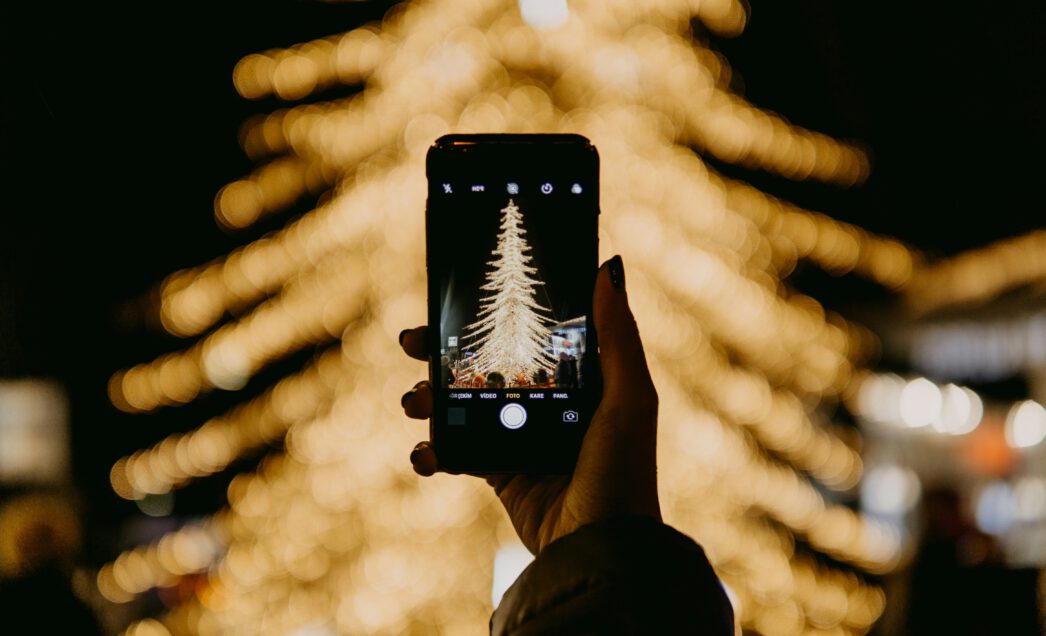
[[333, 533]]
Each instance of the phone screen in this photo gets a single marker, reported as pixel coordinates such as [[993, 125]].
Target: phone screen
[[512, 256]]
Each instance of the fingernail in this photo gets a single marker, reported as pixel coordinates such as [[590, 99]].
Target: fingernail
[[617, 272], [403, 334], [414, 456], [406, 396]]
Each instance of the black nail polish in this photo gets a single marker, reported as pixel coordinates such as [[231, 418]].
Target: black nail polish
[[617, 272], [414, 456], [406, 396], [403, 334]]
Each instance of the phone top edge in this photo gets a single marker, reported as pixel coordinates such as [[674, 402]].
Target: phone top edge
[[480, 146], [461, 139]]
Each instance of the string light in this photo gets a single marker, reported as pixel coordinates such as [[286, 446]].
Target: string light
[[191, 549], [210, 448], [889, 401], [976, 276], [309, 310], [741, 396], [272, 187], [1026, 424]]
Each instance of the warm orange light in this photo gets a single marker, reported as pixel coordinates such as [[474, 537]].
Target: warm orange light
[[335, 528]]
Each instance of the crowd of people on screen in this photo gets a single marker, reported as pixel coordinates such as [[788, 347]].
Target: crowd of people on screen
[[566, 374]]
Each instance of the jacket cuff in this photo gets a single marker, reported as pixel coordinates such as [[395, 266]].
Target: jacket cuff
[[626, 575]]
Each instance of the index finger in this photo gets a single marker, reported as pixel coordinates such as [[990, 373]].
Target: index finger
[[413, 342]]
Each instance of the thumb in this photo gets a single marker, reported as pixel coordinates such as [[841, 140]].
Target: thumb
[[626, 377], [617, 466]]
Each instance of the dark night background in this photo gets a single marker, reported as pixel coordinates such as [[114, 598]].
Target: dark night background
[[120, 123]]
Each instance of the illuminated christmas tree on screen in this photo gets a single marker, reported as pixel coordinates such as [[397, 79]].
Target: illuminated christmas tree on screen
[[323, 535], [511, 333]]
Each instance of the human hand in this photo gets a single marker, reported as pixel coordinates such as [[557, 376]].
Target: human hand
[[616, 471]]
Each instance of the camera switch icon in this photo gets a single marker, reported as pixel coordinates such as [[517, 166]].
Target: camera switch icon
[[570, 416], [546, 188], [513, 415]]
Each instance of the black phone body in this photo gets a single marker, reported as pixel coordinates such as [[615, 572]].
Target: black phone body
[[512, 255]]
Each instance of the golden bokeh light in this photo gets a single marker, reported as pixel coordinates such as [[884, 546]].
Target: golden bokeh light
[[979, 275], [333, 531]]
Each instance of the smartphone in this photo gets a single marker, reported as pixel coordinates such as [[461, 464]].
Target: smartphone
[[512, 253]]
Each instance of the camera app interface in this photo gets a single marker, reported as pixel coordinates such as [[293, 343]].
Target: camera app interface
[[516, 255]]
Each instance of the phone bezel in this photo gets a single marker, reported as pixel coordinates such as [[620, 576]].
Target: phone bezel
[[463, 151]]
